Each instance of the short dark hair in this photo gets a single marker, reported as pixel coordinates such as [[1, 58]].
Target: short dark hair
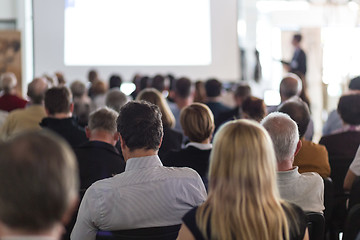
[[348, 108], [213, 87], [243, 91], [299, 111], [298, 37], [58, 100], [38, 181], [115, 81], [355, 83], [140, 126], [255, 108], [158, 82], [183, 87]]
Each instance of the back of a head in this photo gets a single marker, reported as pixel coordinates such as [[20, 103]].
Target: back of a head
[[284, 134], [349, 108], [213, 88], [242, 91], [58, 100], [36, 90], [38, 181], [115, 81], [78, 89], [299, 112], [8, 82], [183, 87], [93, 75], [153, 96], [297, 37], [140, 126], [355, 83], [103, 119], [290, 86], [99, 88], [158, 82], [254, 108], [115, 99], [197, 121]]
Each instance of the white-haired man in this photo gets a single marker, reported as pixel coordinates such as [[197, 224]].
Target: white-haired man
[[306, 189]]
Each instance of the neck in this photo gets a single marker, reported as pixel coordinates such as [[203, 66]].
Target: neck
[[61, 115], [102, 136], [213, 99], [285, 165], [183, 102], [54, 233], [206, 141], [138, 153]]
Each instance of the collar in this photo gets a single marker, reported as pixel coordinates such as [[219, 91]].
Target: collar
[[290, 174], [143, 162], [201, 146], [99, 144], [348, 128]]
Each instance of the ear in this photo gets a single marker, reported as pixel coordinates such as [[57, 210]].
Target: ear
[[71, 107], [160, 142], [87, 132], [298, 147], [122, 142], [116, 136]]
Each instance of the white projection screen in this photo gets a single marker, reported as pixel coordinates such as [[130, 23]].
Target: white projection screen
[[194, 38]]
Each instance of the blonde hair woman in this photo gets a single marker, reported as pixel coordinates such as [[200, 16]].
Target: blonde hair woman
[[172, 139], [197, 121], [243, 200]]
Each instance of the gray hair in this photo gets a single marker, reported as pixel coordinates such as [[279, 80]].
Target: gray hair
[[8, 81], [78, 89], [115, 99], [284, 134], [103, 119]]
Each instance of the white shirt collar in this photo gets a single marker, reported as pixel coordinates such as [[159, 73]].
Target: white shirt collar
[[201, 146]]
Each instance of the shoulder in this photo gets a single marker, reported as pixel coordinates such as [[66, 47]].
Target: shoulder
[[308, 145], [297, 220], [313, 179]]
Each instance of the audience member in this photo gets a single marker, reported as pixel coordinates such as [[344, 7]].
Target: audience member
[[9, 100], [172, 139], [197, 121], [98, 158], [305, 190], [290, 87], [158, 82], [93, 77], [38, 186], [98, 95], [115, 81], [200, 92], [311, 157], [243, 201], [81, 102], [344, 142], [353, 172], [334, 121], [213, 92], [115, 99], [59, 108], [60, 79], [29, 118], [241, 93], [254, 108], [146, 194], [182, 98]]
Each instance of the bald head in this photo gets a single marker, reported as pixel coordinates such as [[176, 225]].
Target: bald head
[[8, 82], [290, 86], [37, 89], [284, 134]]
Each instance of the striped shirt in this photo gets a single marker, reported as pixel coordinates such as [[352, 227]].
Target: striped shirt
[[147, 194]]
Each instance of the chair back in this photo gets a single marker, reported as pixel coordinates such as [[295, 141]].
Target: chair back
[[154, 233], [316, 225], [354, 197], [339, 167], [352, 224]]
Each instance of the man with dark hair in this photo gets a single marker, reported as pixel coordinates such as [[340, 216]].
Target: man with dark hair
[[59, 108], [312, 157], [115, 81], [98, 158], [298, 62], [182, 98], [147, 194], [38, 186], [29, 118], [334, 121], [158, 82], [213, 89]]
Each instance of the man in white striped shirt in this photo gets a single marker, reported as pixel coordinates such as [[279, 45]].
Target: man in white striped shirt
[[147, 194]]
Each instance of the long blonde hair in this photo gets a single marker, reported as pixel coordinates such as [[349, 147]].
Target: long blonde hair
[[243, 201], [153, 96]]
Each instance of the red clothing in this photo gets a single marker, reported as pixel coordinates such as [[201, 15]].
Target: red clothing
[[10, 102]]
